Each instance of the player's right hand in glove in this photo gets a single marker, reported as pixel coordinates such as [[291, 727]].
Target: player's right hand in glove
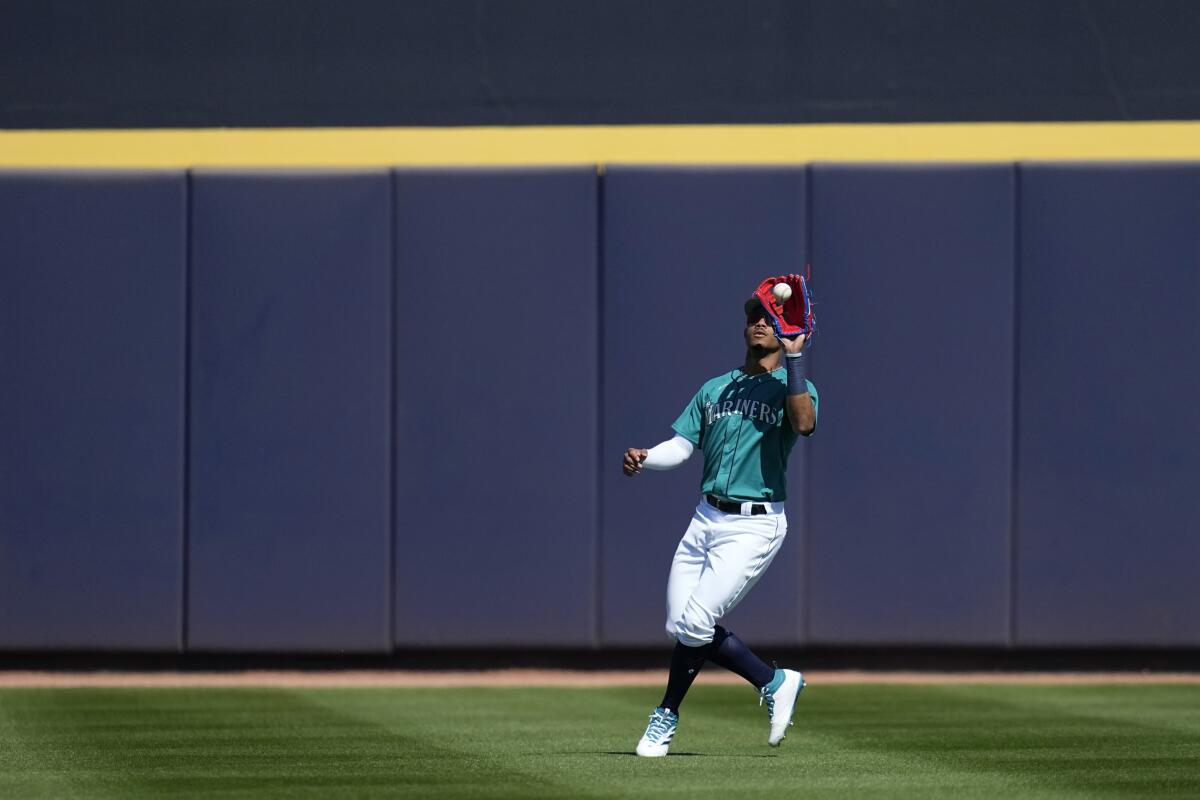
[[632, 464]]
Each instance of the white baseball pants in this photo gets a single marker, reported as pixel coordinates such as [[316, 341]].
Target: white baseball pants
[[719, 559]]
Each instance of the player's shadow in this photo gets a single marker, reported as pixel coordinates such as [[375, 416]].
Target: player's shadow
[[702, 755], [631, 753]]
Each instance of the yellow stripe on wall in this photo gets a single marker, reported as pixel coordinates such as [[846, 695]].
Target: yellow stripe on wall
[[659, 144]]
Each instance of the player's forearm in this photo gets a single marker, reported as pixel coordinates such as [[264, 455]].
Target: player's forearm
[[668, 455], [800, 410]]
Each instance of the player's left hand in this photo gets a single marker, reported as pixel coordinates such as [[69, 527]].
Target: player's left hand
[[792, 345]]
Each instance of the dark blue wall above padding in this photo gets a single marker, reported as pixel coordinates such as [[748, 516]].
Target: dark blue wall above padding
[[496, 382], [683, 249], [339, 63], [1109, 446], [911, 470], [290, 398], [91, 412]]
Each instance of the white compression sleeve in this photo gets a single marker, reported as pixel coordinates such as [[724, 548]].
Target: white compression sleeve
[[668, 455]]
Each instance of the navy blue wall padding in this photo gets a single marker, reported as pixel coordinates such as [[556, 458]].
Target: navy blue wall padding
[[1109, 432], [400, 415], [683, 249], [496, 413], [92, 272], [911, 469], [290, 411]]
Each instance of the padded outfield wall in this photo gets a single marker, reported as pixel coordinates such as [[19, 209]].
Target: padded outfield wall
[[356, 411]]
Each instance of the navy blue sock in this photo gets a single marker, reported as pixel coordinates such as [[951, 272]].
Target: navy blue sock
[[685, 666], [732, 653]]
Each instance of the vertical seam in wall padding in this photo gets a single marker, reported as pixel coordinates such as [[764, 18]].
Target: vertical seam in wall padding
[[393, 393], [806, 516], [598, 519], [185, 587], [1016, 408]]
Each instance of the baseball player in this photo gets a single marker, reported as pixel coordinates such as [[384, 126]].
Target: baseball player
[[746, 422]]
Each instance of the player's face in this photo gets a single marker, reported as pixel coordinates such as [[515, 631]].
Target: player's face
[[759, 334]]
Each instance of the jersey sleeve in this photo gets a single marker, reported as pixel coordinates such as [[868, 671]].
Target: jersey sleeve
[[816, 400], [690, 424]]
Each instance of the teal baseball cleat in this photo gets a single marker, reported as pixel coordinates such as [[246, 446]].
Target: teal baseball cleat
[[657, 738], [781, 694]]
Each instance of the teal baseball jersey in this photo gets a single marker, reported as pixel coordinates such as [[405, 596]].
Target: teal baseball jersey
[[739, 421]]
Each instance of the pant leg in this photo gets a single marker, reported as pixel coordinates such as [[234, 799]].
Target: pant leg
[[740, 548], [686, 567]]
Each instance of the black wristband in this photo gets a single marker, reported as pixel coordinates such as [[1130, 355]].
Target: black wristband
[[797, 382]]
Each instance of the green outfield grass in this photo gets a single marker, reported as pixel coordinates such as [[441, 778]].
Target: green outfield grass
[[863, 740]]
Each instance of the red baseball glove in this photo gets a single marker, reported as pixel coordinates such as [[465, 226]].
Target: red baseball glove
[[790, 317]]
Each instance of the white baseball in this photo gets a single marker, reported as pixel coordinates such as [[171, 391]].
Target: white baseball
[[782, 292]]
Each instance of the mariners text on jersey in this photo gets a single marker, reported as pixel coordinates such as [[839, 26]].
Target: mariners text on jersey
[[714, 410]]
